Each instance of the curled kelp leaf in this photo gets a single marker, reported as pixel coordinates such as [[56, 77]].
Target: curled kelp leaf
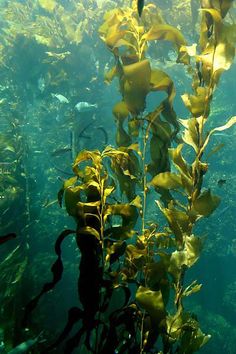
[[216, 59], [185, 257], [206, 203], [183, 324], [197, 104], [167, 180], [183, 167], [178, 220], [122, 137], [152, 302], [128, 214], [136, 85], [180, 163], [160, 81], [120, 111], [169, 33], [86, 155], [190, 135], [165, 32]]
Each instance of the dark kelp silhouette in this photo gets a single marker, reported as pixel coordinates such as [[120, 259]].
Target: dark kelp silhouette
[[7, 237]]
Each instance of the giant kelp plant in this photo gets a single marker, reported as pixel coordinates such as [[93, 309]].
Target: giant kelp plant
[[124, 255], [132, 271]]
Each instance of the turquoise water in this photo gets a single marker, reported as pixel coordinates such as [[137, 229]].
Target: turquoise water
[[54, 103]]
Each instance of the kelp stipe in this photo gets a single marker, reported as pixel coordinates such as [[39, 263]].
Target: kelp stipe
[[145, 267]]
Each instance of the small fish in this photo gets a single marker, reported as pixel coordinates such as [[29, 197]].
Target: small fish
[[221, 182], [61, 98], [94, 78], [97, 65], [48, 203], [85, 106], [7, 237], [223, 134], [41, 84], [58, 56], [5, 211], [61, 179], [222, 211], [215, 149], [140, 5], [72, 145], [61, 151]]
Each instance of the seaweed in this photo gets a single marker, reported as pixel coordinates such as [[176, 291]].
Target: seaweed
[[132, 271]]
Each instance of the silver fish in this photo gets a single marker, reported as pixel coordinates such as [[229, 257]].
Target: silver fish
[[41, 84], [61, 151], [85, 106], [60, 97]]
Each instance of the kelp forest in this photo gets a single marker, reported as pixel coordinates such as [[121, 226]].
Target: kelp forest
[[117, 183]]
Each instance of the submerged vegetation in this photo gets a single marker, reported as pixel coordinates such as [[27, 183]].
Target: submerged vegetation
[[137, 206]]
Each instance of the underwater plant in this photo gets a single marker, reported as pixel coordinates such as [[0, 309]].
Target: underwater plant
[[132, 268]]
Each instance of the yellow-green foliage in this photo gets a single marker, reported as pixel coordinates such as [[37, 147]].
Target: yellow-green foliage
[[149, 260]]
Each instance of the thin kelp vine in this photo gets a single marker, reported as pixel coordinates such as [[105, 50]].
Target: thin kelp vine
[[132, 269]]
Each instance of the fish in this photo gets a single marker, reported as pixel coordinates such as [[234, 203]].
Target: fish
[[5, 211], [58, 56], [223, 134], [24, 347], [85, 106], [140, 5], [61, 151], [41, 84], [215, 149], [221, 182], [72, 145], [61, 98], [222, 211], [7, 237], [48, 203]]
